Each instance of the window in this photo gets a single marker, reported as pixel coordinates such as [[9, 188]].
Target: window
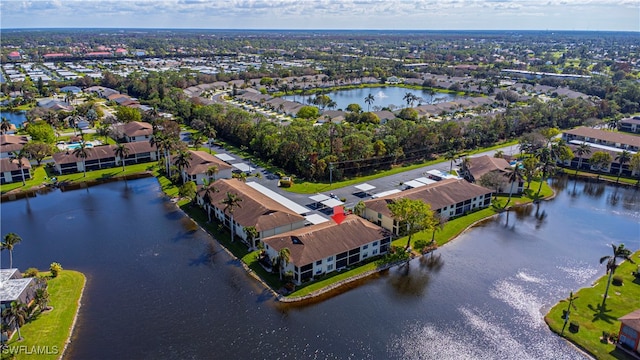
[[319, 262], [329, 267], [330, 258], [379, 216], [375, 251], [365, 247], [375, 243]]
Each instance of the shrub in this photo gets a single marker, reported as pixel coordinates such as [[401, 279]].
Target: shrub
[[617, 281], [574, 327], [55, 269], [30, 272], [420, 244]]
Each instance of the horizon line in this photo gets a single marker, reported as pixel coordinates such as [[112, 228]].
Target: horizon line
[[302, 29]]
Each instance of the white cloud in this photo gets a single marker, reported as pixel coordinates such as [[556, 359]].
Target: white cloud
[[390, 14]]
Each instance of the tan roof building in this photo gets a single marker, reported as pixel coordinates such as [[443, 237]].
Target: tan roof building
[[11, 143], [479, 166], [329, 246], [10, 171], [629, 336], [200, 163], [449, 198], [256, 209], [603, 137], [135, 131]]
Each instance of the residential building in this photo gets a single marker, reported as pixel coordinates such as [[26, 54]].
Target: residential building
[[597, 137], [629, 336], [255, 209], [103, 157], [12, 171], [10, 144], [631, 125], [319, 249], [199, 165], [134, 131], [449, 198], [13, 287], [473, 169], [585, 164]]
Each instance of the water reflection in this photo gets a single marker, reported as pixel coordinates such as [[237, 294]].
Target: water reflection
[[481, 296]]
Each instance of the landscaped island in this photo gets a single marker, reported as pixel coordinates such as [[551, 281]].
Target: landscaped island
[[590, 326]]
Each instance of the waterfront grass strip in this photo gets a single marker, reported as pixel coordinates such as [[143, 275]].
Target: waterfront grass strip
[[591, 320], [51, 330]]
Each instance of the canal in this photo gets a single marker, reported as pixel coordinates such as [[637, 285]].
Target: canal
[[158, 287]]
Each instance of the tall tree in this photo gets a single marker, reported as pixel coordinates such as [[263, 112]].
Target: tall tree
[[451, 156], [209, 189], [284, 256], [570, 300], [622, 158], [122, 152], [212, 171], [210, 132], [197, 139], [19, 157], [514, 175], [634, 164], [416, 215], [582, 149], [182, 162], [8, 243], [42, 298], [231, 202], [619, 252], [369, 100], [5, 125], [82, 153], [17, 314], [600, 160]]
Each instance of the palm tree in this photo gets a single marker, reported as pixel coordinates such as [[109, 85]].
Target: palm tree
[[197, 139], [439, 221], [20, 155], [622, 158], [451, 156], [16, 313], [499, 154], [5, 125], [252, 233], [284, 256], [182, 162], [514, 175], [544, 160], [212, 171], [82, 153], [600, 160], [42, 298], [210, 132], [122, 152], [582, 149], [231, 202], [408, 97], [209, 189], [359, 208], [570, 299], [9, 242], [618, 252], [369, 100]]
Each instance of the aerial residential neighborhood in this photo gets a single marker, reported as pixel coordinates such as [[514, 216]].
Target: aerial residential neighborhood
[[335, 180]]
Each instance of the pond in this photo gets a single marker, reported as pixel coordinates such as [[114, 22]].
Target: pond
[[16, 118], [159, 287], [390, 96]]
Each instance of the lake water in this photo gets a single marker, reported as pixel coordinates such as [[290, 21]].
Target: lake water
[[16, 118], [384, 97], [160, 288]]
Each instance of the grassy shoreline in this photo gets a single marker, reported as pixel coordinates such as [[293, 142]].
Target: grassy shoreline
[[51, 331], [592, 321]]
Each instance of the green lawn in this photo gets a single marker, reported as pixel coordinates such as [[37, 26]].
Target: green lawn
[[594, 175], [592, 321], [38, 177], [52, 329]]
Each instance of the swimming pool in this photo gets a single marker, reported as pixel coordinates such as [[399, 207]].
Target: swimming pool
[[74, 146]]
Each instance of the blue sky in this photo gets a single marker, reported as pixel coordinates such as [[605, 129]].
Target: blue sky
[[325, 14]]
